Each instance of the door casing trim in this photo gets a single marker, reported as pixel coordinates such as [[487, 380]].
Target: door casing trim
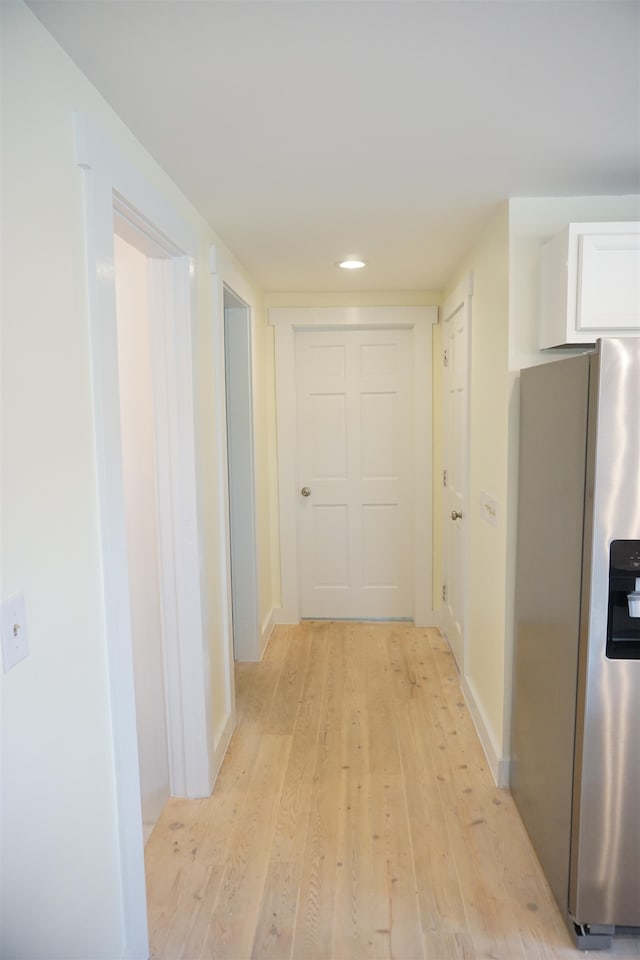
[[113, 186]]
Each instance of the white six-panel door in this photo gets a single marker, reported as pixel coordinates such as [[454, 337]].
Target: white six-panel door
[[355, 470], [381, 417]]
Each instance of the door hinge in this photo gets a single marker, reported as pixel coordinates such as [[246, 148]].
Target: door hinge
[[445, 478], [445, 359], [444, 592]]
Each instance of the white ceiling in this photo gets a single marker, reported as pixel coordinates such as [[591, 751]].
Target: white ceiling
[[307, 130]]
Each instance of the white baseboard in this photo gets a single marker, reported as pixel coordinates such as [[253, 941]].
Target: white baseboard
[[267, 629], [220, 746], [434, 619], [504, 773], [499, 766], [280, 616]]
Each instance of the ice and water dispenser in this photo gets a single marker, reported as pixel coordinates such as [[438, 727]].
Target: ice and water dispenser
[[623, 618]]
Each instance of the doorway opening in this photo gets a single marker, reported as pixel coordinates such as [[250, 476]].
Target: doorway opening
[[241, 477], [143, 534]]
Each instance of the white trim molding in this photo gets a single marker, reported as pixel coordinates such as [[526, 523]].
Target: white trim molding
[[267, 629], [113, 186], [288, 321], [221, 742], [499, 766], [217, 291]]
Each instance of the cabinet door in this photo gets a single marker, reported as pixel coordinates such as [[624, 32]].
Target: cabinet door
[[609, 283]]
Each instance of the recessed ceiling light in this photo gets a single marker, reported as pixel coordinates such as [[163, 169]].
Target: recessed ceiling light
[[352, 263]]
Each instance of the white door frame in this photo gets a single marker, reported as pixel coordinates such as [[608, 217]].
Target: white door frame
[[113, 187], [225, 276], [287, 321], [241, 477], [460, 299]]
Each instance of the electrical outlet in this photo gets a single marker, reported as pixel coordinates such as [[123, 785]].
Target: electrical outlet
[[13, 630]]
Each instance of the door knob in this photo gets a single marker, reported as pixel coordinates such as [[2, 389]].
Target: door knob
[[455, 515], [306, 492]]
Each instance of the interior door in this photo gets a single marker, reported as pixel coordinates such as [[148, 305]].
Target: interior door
[[354, 434], [455, 359]]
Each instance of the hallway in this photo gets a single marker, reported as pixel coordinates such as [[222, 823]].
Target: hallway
[[354, 817]]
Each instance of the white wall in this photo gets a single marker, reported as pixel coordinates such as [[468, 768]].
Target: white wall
[[139, 474], [60, 888], [61, 877]]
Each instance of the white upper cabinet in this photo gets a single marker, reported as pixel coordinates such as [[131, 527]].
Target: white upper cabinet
[[590, 284]]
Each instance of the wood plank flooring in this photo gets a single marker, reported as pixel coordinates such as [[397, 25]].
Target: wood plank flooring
[[354, 817]]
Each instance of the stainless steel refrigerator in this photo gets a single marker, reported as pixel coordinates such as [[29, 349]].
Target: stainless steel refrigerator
[[575, 744]]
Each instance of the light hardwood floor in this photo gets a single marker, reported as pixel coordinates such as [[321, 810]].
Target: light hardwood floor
[[354, 817]]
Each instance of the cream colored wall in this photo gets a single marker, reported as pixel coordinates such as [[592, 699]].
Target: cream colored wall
[[61, 879], [355, 298], [488, 450], [60, 887]]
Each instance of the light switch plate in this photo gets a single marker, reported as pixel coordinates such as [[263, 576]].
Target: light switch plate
[[489, 508], [13, 630]]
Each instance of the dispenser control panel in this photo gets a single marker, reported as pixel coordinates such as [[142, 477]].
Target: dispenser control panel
[[625, 555], [623, 614]]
